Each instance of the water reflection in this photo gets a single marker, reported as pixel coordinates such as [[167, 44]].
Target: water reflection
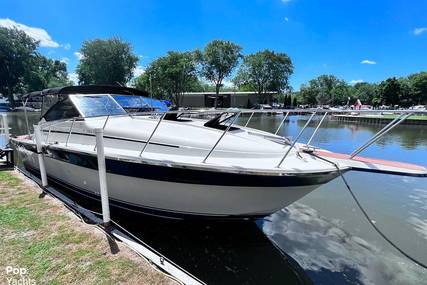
[[331, 255]]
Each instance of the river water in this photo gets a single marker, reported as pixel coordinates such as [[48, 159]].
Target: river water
[[324, 232]]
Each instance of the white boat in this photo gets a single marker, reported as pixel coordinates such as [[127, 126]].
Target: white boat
[[172, 164]]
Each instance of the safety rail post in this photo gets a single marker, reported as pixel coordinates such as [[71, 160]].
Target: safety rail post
[[281, 123], [220, 138], [250, 117], [296, 139], [6, 128], [38, 138], [102, 172], [152, 134], [26, 117], [69, 133], [381, 133], [317, 128]]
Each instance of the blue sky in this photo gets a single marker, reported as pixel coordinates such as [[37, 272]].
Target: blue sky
[[355, 40]]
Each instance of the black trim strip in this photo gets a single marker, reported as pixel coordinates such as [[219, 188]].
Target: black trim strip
[[111, 137], [185, 175]]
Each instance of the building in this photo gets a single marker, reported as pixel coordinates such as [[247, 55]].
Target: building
[[226, 99]]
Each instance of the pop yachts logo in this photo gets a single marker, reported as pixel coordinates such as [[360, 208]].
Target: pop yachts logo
[[18, 276]]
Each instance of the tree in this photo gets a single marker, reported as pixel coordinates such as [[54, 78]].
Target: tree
[[325, 90], [170, 76], [45, 73], [217, 61], [295, 102], [265, 71], [16, 53], [389, 91], [106, 62], [365, 92], [418, 85]]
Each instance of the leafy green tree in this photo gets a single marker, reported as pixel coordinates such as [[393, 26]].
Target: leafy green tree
[[418, 85], [324, 90], [265, 71], [295, 102], [217, 60], [110, 61], [45, 73], [389, 91], [16, 53], [170, 76], [365, 92]]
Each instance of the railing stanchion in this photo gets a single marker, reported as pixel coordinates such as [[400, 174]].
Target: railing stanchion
[[247, 123], [69, 133], [381, 133], [296, 139], [38, 138], [220, 138], [317, 128], [102, 171], [281, 123], [152, 133]]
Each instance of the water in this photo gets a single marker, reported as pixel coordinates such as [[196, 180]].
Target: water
[[324, 232]]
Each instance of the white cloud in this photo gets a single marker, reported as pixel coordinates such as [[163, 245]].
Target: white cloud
[[65, 60], [367, 61], [78, 55], [419, 31], [286, 1], [74, 78], [355, 81], [66, 46], [138, 71], [286, 19], [37, 34]]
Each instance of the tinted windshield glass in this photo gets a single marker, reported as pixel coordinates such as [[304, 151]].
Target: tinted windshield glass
[[97, 105], [61, 110], [140, 103]]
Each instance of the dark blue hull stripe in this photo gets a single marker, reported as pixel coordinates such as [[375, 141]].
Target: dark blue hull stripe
[[190, 176]]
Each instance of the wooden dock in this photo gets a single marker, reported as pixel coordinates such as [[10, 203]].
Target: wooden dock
[[376, 120]]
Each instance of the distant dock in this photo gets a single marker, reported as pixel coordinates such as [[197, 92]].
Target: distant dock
[[380, 119]]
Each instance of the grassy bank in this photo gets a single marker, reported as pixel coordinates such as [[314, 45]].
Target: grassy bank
[[55, 247]]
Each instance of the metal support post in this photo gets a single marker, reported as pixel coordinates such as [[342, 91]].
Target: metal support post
[[38, 138], [102, 171]]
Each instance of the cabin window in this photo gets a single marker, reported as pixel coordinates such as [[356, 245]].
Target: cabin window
[[61, 110], [97, 105]]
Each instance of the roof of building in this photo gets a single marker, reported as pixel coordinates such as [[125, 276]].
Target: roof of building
[[228, 92], [88, 89]]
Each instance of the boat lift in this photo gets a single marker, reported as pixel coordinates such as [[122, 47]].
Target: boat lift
[[6, 152]]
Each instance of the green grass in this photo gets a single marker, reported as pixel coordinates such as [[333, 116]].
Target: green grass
[[413, 117], [56, 248]]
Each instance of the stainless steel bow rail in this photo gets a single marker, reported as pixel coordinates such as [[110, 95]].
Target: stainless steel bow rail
[[234, 115]]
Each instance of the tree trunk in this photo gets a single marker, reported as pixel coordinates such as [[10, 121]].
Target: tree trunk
[[217, 86]]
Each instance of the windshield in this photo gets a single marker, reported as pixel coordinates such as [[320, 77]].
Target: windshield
[[97, 105], [140, 103]]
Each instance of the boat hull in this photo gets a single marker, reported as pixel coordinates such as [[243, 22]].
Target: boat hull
[[176, 199]]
